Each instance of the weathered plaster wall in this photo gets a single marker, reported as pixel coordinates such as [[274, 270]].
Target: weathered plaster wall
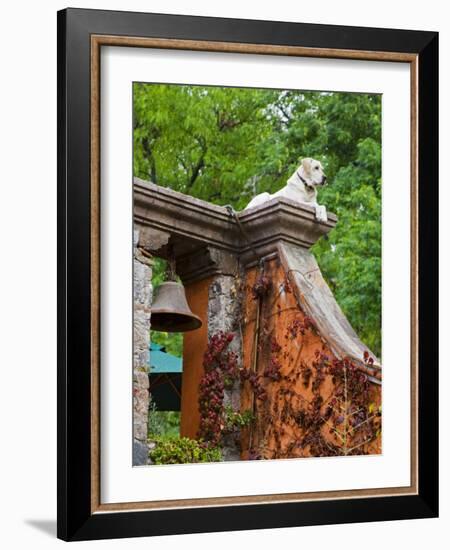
[[277, 431], [194, 346], [142, 294]]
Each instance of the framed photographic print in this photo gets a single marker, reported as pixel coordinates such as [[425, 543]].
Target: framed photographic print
[[247, 274]]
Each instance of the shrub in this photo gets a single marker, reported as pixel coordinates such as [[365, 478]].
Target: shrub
[[163, 423], [183, 451]]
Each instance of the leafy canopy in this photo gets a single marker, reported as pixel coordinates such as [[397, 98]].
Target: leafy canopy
[[225, 145]]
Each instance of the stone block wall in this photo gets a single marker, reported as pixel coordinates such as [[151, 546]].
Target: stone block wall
[[142, 295]]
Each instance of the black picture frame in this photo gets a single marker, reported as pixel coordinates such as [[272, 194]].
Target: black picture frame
[[75, 518]]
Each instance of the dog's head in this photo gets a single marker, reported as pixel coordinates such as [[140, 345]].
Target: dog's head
[[311, 172]]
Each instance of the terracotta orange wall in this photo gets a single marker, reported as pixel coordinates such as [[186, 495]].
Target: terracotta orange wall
[[195, 343], [276, 434]]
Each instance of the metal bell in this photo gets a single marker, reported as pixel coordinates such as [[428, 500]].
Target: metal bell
[[170, 310]]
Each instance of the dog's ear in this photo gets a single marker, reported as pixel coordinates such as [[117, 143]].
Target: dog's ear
[[306, 163]]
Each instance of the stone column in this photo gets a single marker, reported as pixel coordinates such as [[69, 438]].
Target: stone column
[[142, 294], [224, 314], [219, 271]]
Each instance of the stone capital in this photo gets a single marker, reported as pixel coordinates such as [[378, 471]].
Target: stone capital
[[205, 262]]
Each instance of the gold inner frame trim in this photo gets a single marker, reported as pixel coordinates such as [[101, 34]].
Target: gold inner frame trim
[[97, 41]]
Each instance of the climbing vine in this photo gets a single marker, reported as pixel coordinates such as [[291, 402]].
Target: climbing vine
[[300, 406], [331, 411], [343, 423], [221, 372], [261, 287]]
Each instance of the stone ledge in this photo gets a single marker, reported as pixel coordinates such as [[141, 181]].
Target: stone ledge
[[195, 225], [317, 301], [281, 220], [184, 217]]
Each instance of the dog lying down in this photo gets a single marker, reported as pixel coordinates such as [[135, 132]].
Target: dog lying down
[[300, 187]]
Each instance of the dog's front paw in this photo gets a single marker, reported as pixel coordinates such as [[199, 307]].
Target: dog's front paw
[[321, 213]]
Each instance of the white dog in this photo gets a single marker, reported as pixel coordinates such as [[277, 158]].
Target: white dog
[[300, 187]]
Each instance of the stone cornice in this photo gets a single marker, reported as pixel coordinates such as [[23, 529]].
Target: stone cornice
[[280, 220], [194, 224], [184, 217]]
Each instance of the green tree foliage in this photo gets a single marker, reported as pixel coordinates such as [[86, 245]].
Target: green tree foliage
[[163, 424], [201, 141], [225, 145]]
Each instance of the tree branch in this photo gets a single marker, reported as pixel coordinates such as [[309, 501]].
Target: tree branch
[[146, 147], [196, 171]]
